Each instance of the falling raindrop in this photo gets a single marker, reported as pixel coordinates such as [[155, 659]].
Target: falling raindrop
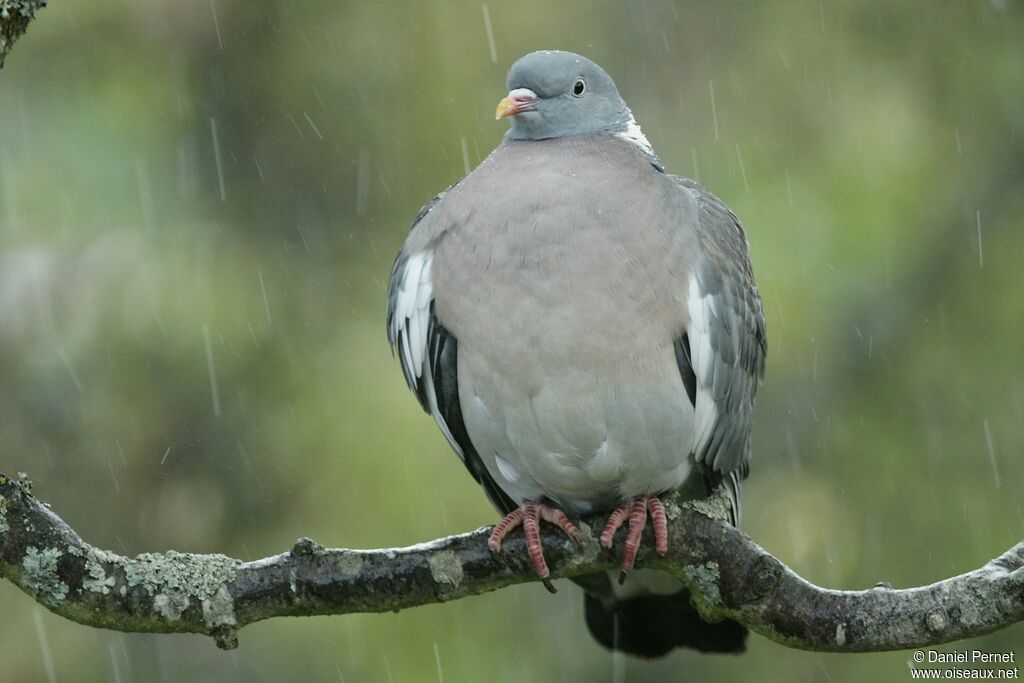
[[313, 125], [113, 664], [743, 171], [113, 476], [216, 26], [295, 125], [490, 34], [618, 658], [465, 155], [714, 111], [263, 291], [437, 659], [44, 646], [981, 253], [216, 159], [814, 365], [991, 453], [212, 370]]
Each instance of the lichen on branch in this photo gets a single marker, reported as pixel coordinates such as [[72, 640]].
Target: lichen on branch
[[728, 575]]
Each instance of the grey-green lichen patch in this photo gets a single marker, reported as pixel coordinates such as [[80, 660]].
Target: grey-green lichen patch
[[936, 621], [96, 579], [219, 609], [40, 575], [200, 576], [4, 528], [715, 506], [704, 578], [446, 569], [840, 634], [99, 556], [350, 563], [170, 605], [672, 509]]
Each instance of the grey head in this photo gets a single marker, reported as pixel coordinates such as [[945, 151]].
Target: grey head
[[554, 94]]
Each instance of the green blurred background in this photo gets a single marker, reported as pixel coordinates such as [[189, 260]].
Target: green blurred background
[[191, 185]]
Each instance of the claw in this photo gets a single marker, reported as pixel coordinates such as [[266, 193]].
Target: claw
[[528, 515], [636, 511]]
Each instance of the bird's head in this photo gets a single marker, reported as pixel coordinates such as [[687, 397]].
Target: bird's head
[[554, 94]]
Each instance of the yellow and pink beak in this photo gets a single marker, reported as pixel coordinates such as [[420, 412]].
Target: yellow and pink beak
[[518, 101]]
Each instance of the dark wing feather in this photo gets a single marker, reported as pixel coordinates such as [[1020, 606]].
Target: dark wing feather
[[445, 371], [429, 353], [721, 355]]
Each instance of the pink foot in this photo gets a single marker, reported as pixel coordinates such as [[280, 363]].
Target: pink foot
[[636, 510], [528, 515]]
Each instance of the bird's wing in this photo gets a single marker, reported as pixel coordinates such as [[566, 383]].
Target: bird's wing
[[722, 353], [427, 351]]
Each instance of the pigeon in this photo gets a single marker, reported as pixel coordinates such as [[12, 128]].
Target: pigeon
[[586, 331]]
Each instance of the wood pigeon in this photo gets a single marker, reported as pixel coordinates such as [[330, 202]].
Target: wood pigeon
[[586, 331]]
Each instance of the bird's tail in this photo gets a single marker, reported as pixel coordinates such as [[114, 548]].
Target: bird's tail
[[650, 625]]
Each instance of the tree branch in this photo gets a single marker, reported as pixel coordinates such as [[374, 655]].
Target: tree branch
[[14, 18], [728, 574]]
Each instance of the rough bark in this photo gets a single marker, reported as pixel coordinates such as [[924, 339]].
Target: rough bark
[[728, 574], [15, 16]]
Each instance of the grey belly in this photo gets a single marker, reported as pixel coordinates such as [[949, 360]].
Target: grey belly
[[584, 433], [565, 304]]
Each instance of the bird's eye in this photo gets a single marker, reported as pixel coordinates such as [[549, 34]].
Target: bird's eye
[[579, 87]]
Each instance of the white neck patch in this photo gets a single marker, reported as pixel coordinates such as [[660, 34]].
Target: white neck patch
[[634, 135]]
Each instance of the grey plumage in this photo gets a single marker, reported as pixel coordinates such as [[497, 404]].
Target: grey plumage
[[735, 330], [561, 113], [583, 327]]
